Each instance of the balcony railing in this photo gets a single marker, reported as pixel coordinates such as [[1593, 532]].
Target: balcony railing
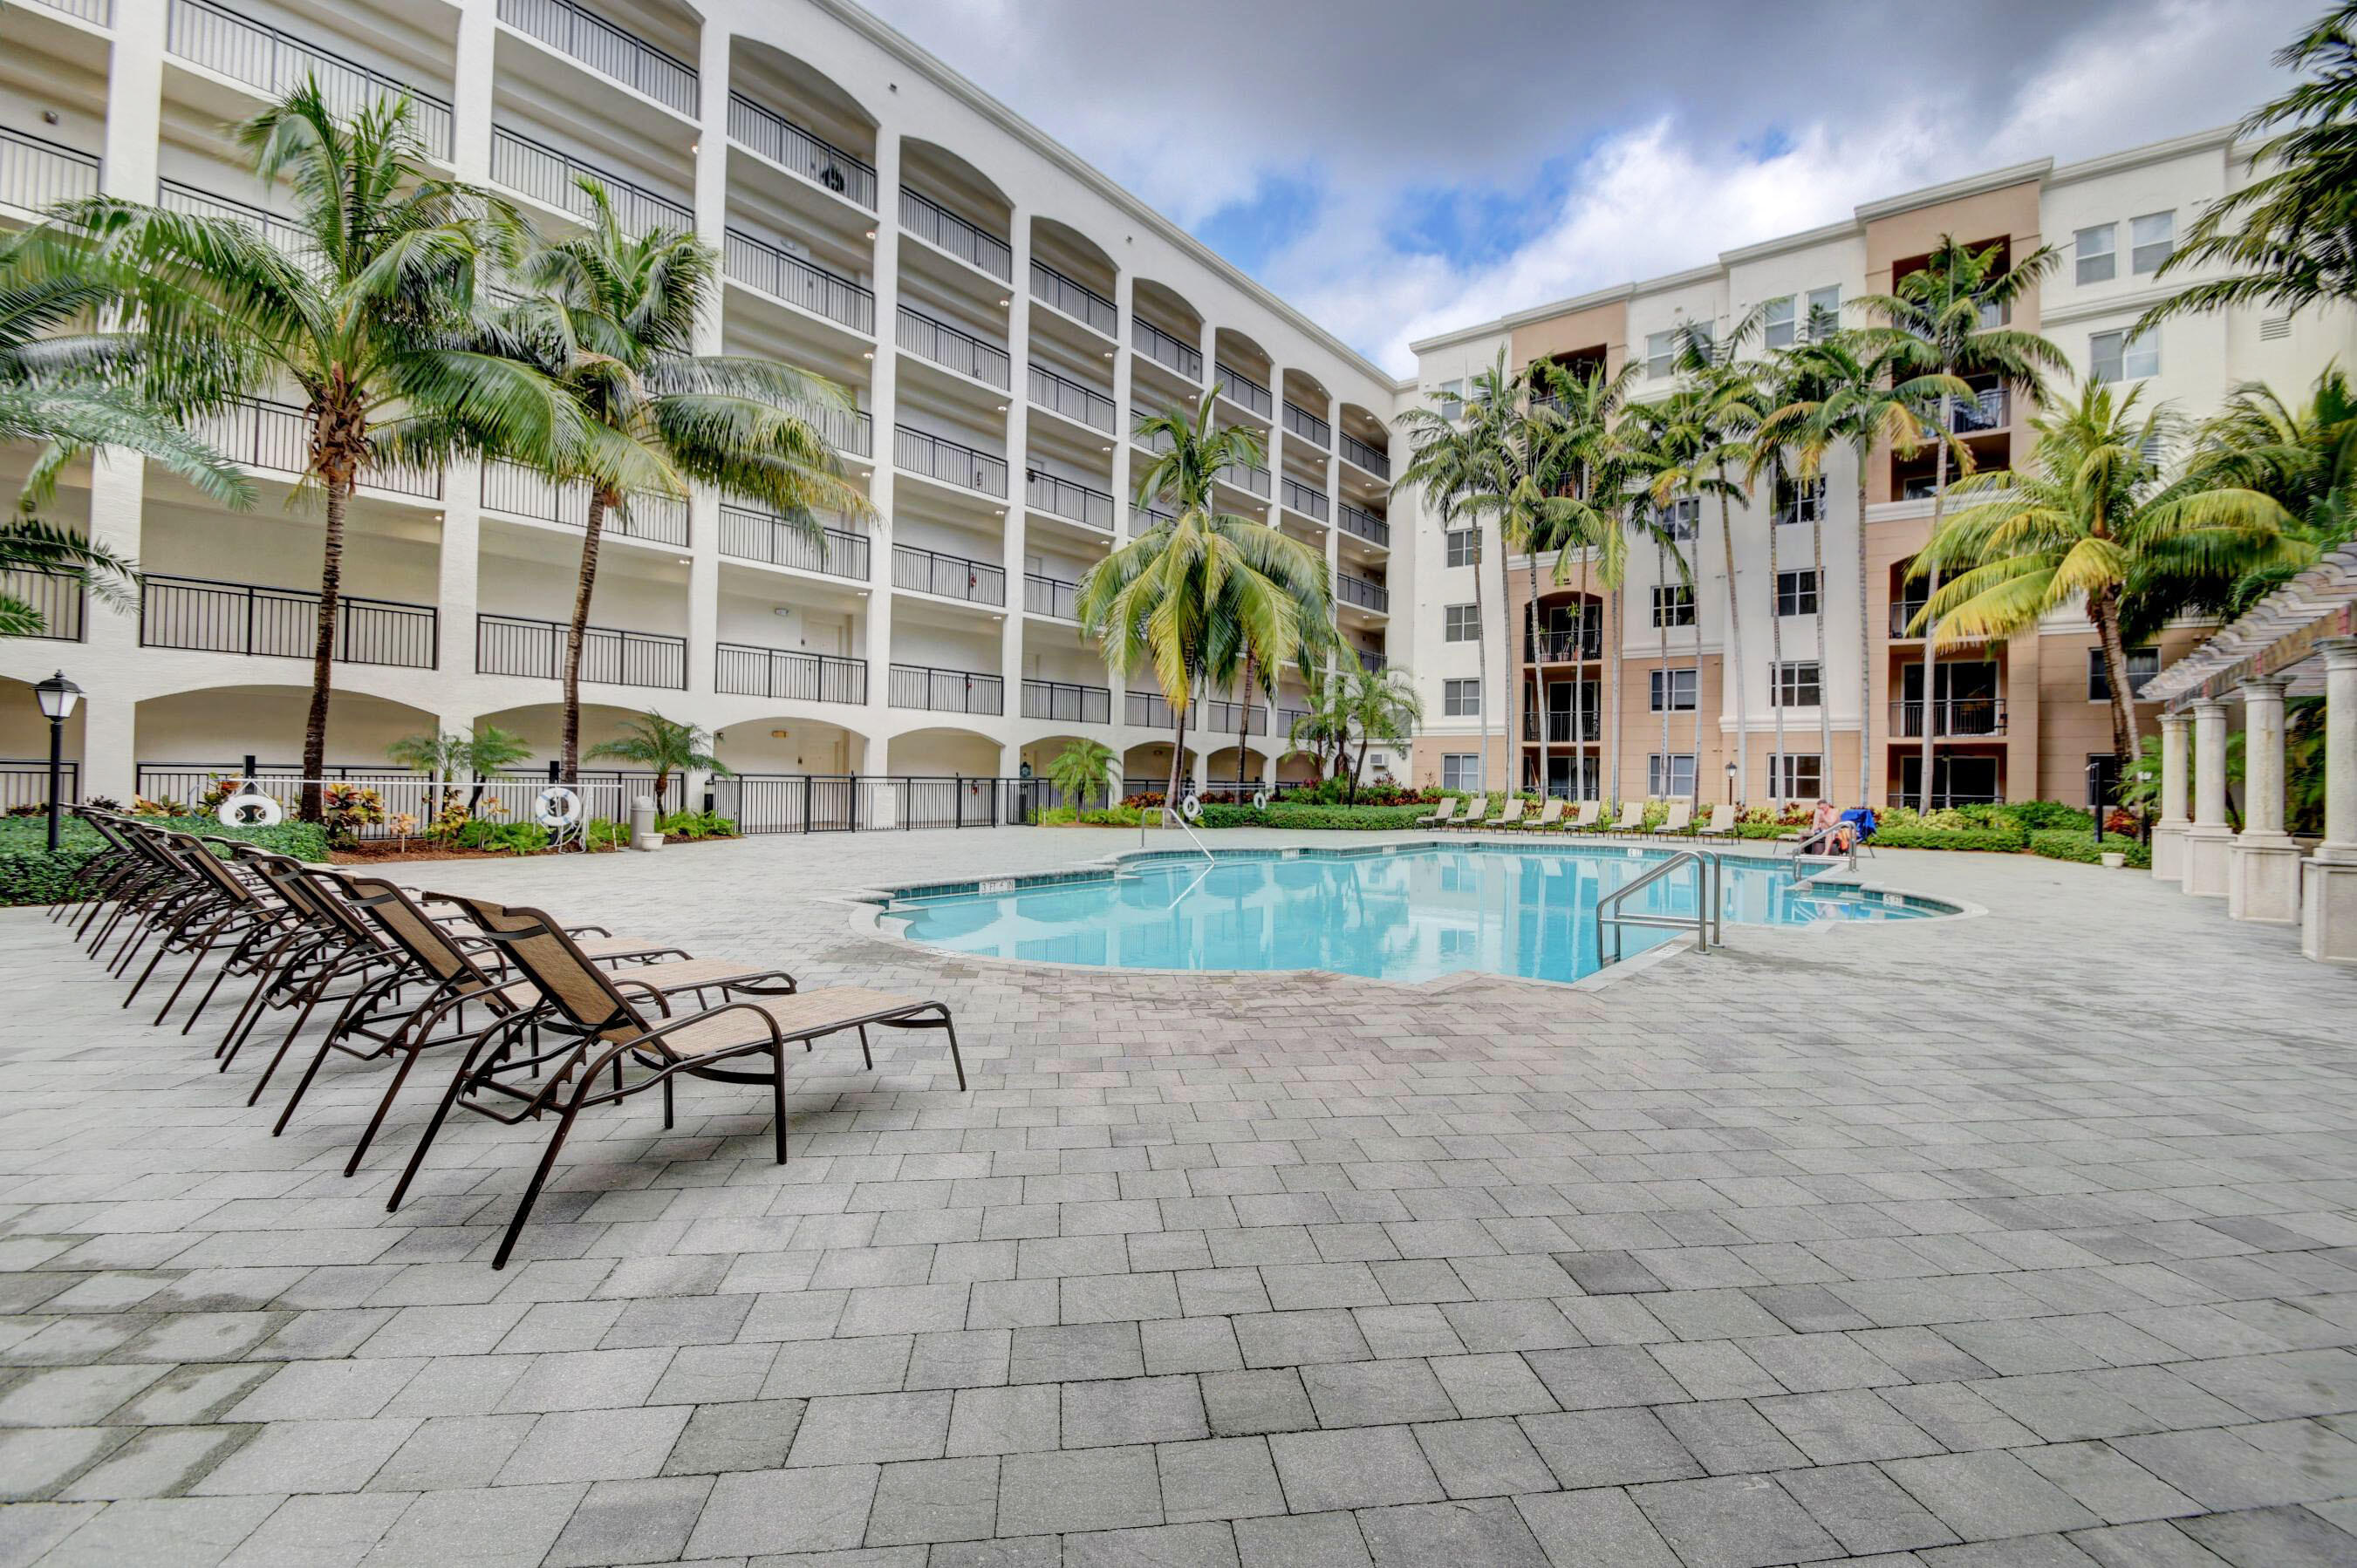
[[35, 173], [1565, 645], [1044, 596], [513, 644], [1074, 299], [947, 691], [1986, 409], [1902, 616], [98, 12], [607, 49], [1144, 517], [521, 492], [849, 430], [740, 669], [550, 175], [1365, 525], [288, 239], [1151, 710], [1360, 591], [752, 535], [929, 220], [950, 576], [1171, 353], [938, 458], [952, 348], [780, 274], [1072, 399], [1286, 718], [1956, 717], [260, 433], [1307, 425], [1241, 390], [1373, 662], [1046, 492], [1558, 725], [276, 63], [773, 137], [284, 623], [1064, 703], [60, 600], [1245, 476], [1360, 454], [1292, 493]]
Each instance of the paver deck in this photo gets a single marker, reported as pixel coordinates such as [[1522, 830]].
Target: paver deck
[[2028, 1239]]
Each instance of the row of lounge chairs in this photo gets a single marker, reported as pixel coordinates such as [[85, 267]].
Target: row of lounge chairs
[[545, 1021], [1679, 823]]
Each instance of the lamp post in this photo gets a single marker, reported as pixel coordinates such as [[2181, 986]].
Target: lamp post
[[57, 696], [1730, 781]]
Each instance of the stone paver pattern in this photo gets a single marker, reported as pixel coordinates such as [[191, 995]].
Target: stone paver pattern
[[2024, 1238]]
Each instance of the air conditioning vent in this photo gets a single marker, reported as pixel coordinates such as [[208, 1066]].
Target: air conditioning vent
[[2273, 328]]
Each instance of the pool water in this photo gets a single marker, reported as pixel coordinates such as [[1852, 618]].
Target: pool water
[[1406, 913]]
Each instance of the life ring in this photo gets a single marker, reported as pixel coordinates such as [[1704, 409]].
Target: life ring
[[556, 807], [1260, 800], [249, 808], [1190, 806]]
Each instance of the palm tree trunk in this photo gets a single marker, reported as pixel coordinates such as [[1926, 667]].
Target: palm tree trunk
[[1613, 677], [1824, 664], [1669, 688], [323, 648], [1777, 770], [1694, 788], [1733, 666], [1482, 654], [1865, 651], [1579, 689], [1932, 622], [593, 530], [2105, 610], [1531, 650], [1178, 761], [1244, 725]]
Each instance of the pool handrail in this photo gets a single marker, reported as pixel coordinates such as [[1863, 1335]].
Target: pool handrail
[[1709, 921]]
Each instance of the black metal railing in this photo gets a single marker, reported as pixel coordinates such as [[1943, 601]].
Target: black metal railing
[[1171, 353], [1151, 710], [968, 242], [258, 433], [741, 670], [1986, 409], [1287, 718], [514, 645], [1245, 476], [1902, 616], [1360, 454], [549, 175], [947, 691], [951, 577], [1241, 390], [1373, 662], [1307, 425], [278, 63], [35, 173], [770, 135], [1558, 725], [939, 457], [607, 49], [286, 236], [1072, 399], [1302, 498], [1954, 715], [1047, 492], [61, 599], [1143, 518], [1360, 591], [952, 348], [849, 430], [284, 623], [752, 535], [25, 781], [1365, 525], [1564, 644], [1046, 595], [780, 274], [1061, 702], [1073, 297], [522, 492]]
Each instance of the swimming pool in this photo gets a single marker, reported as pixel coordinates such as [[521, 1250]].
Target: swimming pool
[[1406, 912]]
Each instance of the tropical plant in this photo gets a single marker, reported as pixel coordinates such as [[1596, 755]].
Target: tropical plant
[[1323, 728], [1588, 474], [451, 755], [613, 316], [1205, 590], [664, 747], [1382, 707], [1082, 769]]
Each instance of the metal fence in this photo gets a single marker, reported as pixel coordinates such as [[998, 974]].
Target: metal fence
[[522, 492], [932, 223], [952, 348], [1063, 498], [1064, 702], [59, 599], [773, 137], [606, 49], [261, 433], [37, 173], [820, 803], [741, 670], [1044, 596], [781, 274], [420, 797], [512, 645], [936, 691], [1172, 353], [938, 458], [284, 623], [278, 63], [547, 174], [1073, 297], [951, 577], [25, 781], [752, 535]]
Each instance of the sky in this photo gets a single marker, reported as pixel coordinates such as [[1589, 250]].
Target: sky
[[1394, 169]]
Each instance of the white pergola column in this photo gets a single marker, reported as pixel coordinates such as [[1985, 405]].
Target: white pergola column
[[2263, 868], [2327, 930], [2209, 841], [2169, 834]]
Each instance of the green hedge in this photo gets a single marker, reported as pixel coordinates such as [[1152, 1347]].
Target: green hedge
[[1286, 814], [2000, 840], [30, 873], [2078, 844]]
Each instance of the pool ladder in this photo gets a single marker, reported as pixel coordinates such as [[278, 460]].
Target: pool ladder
[[1706, 922]]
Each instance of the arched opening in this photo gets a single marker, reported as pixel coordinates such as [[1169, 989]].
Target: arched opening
[[942, 753], [184, 740]]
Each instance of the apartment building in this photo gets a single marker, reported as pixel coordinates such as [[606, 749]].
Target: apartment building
[[2020, 718], [999, 311]]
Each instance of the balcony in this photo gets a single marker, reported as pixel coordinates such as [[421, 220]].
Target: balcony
[[284, 236], [758, 265], [936, 225], [1045, 596], [752, 535], [1150, 710], [1293, 493], [1309, 426], [1074, 299], [851, 430], [554, 179], [607, 49], [1366, 525], [1246, 477], [1061, 394], [60, 600], [1373, 662], [513, 644], [948, 576], [952, 349], [1063, 498], [35, 173], [1565, 645], [1359, 455], [1957, 717], [1143, 518], [1243, 390], [1558, 725], [521, 492], [947, 691], [1362, 594], [1171, 353], [1902, 616], [276, 63], [257, 433], [1060, 701], [1988, 409], [770, 135], [1290, 719], [284, 623], [98, 13], [740, 669]]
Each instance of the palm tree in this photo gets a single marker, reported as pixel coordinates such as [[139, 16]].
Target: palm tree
[[1206, 587], [665, 747], [372, 322], [1457, 461], [1583, 407], [1323, 729], [2304, 455], [1946, 319], [2094, 521], [1722, 406], [1382, 706], [1081, 770], [478, 757], [614, 318]]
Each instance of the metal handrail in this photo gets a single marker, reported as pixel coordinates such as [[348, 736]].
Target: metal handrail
[[1708, 922]]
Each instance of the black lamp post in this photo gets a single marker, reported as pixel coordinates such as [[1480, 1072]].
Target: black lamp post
[[1730, 781], [57, 696]]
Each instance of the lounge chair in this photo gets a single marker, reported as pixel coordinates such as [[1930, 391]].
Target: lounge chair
[[1476, 818], [1550, 815], [1632, 818], [1511, 814], [1679, 822], [1586, 820], [1722, 823], [1443, 817]]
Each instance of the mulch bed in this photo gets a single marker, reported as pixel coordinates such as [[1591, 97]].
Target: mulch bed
[[379, 849]]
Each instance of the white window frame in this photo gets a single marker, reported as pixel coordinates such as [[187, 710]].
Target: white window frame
[[2099, 683], [2152, 240], [1660, 353], [1804, 776], [2097, 250], [1676, 599], [1680, 764], [1777, 327], [1791, 590], [1452, 398], [1463, 545], [1461, 699], [1684, 682], [1824, 312], [1460, 623], [2118, 356], [1461, 770], [1796, 683], [1680, 518]]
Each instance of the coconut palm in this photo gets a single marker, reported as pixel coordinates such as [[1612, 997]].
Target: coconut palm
[[1456, 461], [1323, 728], [479, 757], [2304, 455], [1082, 769], [2092, 521], [1947, 319], [1582, 472], [613, 316], [1382, 706], [1207, 589], [663, 747]]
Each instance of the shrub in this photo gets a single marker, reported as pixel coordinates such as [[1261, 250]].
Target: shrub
[[1113, 817], [1311, 816], [605, 833], [2078, 844], [1926, 834], [502, 838], [2032, 816], [347, 809], [30, 873], [697, 825]]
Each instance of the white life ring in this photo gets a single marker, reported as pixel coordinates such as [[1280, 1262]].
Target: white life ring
[[249, 808], [556, 807], [1190, 806], [1260, 800]]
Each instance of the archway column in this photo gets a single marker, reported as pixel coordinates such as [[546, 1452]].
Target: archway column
[[2327, 929], [2263, 880], [2208, 841], [2168, 832]]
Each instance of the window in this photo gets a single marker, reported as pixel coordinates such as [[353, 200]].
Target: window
[[2117, 357], [1681, 686], [1805, 777], [1464, 545], [1796, 592], [1672, 604], [1452, 399], [2153, 239], [1798, 502], [1680, 517], [1825, 311], [1660, 353], [1461, 623], [1776, 323], [1460, 698], [1797, 685], [2144, 664], [2098, 256], [1461, 770], [1677, 778]]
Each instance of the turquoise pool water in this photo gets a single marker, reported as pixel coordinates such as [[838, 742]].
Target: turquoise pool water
[[1409, 913]]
